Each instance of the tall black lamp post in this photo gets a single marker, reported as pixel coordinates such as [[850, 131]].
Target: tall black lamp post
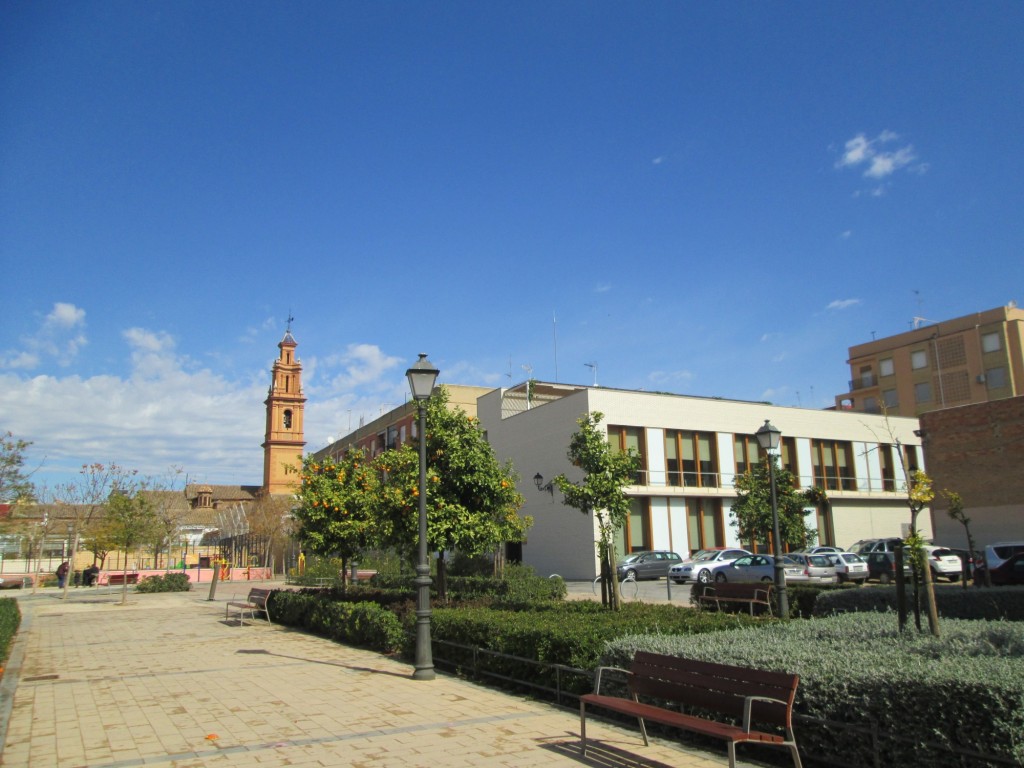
[[421, 377], [768, 438]]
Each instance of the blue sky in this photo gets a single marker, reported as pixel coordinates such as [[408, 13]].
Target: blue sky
[[705, 198]]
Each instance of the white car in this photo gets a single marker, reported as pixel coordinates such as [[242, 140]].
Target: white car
[[849, 566], [698, 567], [944, 563]]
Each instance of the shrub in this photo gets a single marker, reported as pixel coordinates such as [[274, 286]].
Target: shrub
[[952, 602], [962, 691], [572, 633], [168, 582], [10, 620], [363, 624]]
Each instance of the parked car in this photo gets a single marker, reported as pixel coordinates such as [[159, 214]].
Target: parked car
[[1010, 571], [866, 546], [823, 550], [816, 567], [944, 562], [752, 568], [698, 566], [998, 553], [882, 566], [849, 566], [646, 565]]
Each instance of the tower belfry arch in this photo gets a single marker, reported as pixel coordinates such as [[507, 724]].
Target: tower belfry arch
[[285, 403]]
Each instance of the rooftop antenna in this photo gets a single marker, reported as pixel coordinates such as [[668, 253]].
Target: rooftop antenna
[[593, 367]]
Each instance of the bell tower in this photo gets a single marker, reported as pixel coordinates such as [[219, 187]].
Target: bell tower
[[284, 442]]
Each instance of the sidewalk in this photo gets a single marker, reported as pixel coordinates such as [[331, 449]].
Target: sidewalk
[[165, 681]]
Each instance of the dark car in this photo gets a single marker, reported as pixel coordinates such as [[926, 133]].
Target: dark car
[[882, 566], [646, 565], [1009, 572]]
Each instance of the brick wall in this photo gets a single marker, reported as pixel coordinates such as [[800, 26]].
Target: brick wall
[[978, 451]]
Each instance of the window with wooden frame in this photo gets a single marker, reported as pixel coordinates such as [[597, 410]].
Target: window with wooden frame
[[888, 468], [638, 527], [788, 459], [746, 451], [691, 458], [704, 523], [833, 465], [622, 439]]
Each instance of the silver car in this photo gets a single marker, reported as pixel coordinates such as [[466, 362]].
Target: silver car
[[849, 566], [753, 568], [698, 567], [816, 567]]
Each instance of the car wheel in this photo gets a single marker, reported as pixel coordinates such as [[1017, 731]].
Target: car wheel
[[841, 577], [704, 576], [884, 577], [767, 580], [720, 578], [954, 577], [630, 574]]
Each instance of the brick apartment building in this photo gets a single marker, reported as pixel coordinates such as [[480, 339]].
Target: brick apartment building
[[978, 451]]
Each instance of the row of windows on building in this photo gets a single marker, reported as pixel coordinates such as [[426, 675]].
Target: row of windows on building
[[705, 524], [691, 459]]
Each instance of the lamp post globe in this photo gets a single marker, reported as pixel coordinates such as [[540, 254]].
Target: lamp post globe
[[422, 376], [768, 438]]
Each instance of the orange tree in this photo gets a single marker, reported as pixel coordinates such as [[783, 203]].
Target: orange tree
[[336, 506], [472, 501]]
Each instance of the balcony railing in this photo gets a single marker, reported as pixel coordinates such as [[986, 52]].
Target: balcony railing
[[863, 382]]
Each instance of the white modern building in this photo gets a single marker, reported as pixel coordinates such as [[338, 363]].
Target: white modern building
[[691, 449]]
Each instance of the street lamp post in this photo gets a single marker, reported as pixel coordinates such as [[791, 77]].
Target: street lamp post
[[421, 377], [768, 438]]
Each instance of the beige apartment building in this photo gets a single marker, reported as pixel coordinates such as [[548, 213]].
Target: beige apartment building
[[972, 359]]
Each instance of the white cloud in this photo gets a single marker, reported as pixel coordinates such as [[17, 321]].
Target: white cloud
[[663, 378], [602, 288], [846, 234], [843, 303], [60, 337], [875, 158]]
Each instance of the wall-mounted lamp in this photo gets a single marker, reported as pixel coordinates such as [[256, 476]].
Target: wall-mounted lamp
[[538, 480]]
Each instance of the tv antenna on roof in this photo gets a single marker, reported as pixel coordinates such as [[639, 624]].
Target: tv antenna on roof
[[593, 366]]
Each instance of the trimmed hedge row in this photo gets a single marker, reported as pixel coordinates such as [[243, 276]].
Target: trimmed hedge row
[[363, 624], [963, 691], [951, 601], [168, 582], [10, 620], [519, 588]]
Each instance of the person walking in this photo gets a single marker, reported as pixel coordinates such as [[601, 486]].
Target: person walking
[[62, 574]]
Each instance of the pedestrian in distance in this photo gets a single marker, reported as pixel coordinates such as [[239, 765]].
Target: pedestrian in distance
[[62, 574]]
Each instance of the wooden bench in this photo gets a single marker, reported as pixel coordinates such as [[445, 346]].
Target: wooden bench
[[724, 592], [737, 693], [119, 579], [255, 603]]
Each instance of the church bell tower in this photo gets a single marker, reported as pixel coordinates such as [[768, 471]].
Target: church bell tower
[[284, 442]]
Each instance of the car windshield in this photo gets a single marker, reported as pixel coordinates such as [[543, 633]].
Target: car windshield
[[819, 560], [705, 554], [630, 558], [942, 552]]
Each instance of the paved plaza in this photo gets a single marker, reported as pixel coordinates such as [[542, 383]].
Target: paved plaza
[[166, 681]]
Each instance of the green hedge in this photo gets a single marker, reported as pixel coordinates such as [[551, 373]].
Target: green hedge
[[168, 582], [363, 624], [964, 690], [952, 601], [519, 585], [10, 620], [572, 633]]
